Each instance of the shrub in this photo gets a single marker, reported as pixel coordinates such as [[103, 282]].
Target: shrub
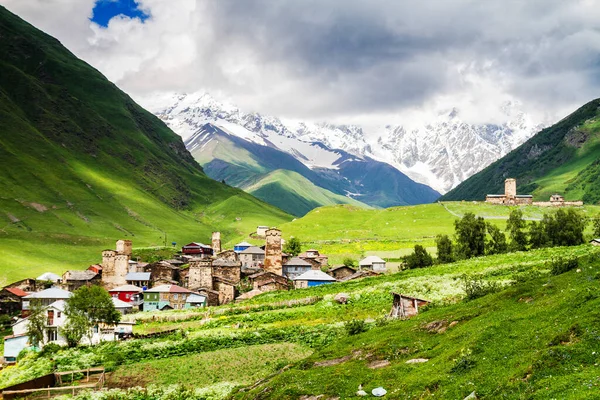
[[419, 258], [560, 265], [355, 327], [476, 287], [445, 249]]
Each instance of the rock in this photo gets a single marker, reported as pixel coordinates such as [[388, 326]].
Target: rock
[[379, 392], [453, 324], [417, 361], [378, 364], [361, 393], [436, 326], [341, 298], [472, 396]]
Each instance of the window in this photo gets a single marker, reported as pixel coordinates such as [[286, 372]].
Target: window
[[176, 296], [52, 335], [58, 314]]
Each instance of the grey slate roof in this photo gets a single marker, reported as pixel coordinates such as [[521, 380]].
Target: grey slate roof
[[138, 276], [75, 275], [297, 261], [253, 250], [52, 293], [315, 275]]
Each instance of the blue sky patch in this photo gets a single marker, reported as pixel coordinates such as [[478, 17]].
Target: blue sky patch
[[104, 10]]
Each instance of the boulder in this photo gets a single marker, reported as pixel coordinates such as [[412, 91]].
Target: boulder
[[342, 298]]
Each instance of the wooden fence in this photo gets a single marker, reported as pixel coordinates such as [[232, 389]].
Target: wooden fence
[[57, 390]]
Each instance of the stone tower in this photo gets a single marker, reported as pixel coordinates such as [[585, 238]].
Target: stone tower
[[273, 259], [510, 188], [115, 264], [200, 275], [216, 242], [124, 247]]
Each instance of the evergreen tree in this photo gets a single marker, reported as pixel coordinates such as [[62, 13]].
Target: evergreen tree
[[515, 227], [470, 236], [445, 249], [497, 243], [419, 258], [293, 246]]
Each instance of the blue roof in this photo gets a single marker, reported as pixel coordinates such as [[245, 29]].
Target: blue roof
[[13, 345], [138, 276]]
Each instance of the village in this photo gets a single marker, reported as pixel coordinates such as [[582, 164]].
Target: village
[[199, 276]]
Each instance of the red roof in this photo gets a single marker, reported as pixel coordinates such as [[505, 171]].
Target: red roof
[[17, 291]]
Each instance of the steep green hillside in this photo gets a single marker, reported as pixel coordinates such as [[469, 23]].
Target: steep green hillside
[[295, 194], [564, 158], [82, 165]]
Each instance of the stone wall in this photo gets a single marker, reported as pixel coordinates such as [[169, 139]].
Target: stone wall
[[216, 242], [200, 275]]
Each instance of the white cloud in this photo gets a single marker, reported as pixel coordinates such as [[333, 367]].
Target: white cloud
[[352, 60]]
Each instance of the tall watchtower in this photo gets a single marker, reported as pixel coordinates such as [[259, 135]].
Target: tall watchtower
[[510, 188], [273, 257]]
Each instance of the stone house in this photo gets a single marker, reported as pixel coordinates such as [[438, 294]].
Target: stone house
[[26, 285], [165, 297], [162, 272], [313, 254], [312, 278], [252, 257], [360, 274], [406, 306], [212, 296], [373, 263], [11, 300], [268, 281], [296, 267], [226, 288], [230, 270], [74, 279], [341, 272]]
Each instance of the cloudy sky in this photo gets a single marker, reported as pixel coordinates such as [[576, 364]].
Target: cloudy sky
[[340, 60]]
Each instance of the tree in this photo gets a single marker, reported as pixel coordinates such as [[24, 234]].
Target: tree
[[419, 258], [445, 249], [75, 328], [470, 236], [36, 323], [537, 235], [350, 262], [569, 226], [293, 246], [88, 307], [596, 223], [497, 243], [515, 227]]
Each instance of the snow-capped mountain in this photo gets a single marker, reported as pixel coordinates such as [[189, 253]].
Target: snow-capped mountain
[[440, 153], [446, 151]]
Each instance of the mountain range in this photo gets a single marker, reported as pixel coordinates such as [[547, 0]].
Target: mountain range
[[440, 151], [83, 164], [563, 158], [262, 156]]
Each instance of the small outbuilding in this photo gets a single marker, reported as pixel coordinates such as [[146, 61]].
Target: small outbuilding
[[406, 306], [121, 306], [139, 279], [49, 277], [195, 300], [342, 272], [595, 242], [373, 263], [312, 278]]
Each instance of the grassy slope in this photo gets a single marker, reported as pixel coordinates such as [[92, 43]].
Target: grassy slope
[[241, 366], [535, 340], [513, 344], [294, 193], [345, 231], [83, 165], [562, 158]]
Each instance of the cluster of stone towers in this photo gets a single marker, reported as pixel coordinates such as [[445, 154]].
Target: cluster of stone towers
[[115, 264]]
